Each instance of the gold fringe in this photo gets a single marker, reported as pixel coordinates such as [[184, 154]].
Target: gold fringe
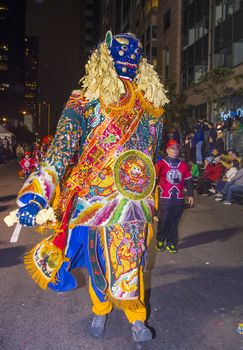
[[150, 234], [156, 198], [134, 304], [41, 229], [35, 273], [48, 228]]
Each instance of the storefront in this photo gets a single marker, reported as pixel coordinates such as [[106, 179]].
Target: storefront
[[233, 118]]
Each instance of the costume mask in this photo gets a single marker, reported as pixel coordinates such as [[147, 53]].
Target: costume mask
[[126, 51]]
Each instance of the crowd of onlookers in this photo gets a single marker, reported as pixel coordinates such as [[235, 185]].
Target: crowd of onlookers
[[215, 170], [28, 155], [7, 150]]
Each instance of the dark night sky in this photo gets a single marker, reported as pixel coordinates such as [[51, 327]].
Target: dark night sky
[[57, 24]]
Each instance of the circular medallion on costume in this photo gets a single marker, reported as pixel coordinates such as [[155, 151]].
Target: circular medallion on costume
[[134, 175], [174, 176]]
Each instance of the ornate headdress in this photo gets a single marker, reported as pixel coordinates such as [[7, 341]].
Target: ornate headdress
[[102, 80]]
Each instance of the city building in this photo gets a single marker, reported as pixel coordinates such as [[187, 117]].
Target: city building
[[12, 59], [31, 79], [90, 17], [194, 37], [138, 17]]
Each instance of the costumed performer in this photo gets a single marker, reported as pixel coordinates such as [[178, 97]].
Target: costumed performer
[[106, 208]]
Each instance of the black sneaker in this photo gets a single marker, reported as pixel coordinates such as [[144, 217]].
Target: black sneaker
[[97, 327], [160, 246], [171, 248]]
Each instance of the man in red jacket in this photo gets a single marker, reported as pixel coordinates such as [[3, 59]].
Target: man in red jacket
[[213, 172], [172, 175]]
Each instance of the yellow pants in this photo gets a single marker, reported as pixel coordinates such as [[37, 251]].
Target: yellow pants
[[102, 308]]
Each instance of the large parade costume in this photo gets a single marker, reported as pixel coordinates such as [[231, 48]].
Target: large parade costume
[[105, 208]]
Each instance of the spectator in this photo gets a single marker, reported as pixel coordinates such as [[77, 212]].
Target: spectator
[[199, 139], [211, 139], [210, 146], [187, 148], [19, 152], [219, 144], [194, 168], [2, 157], [176, 136], [235, 185], [27, 164], [212, 131], [5, 143], [230, 173], [212, 173], [226, 159]]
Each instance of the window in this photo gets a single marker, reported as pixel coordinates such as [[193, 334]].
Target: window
[[224, 58], [147, 49], [154, 32], [148, 34], [191, 36], [237, 51], [190, 75], [3, 58], [166, 62], [218, 17], [89, 12], [228, 8], [238, 5], [155, 3], [154, 51], [125, 8], [166, 20], [90, 6], [4, 47], [3, 66]]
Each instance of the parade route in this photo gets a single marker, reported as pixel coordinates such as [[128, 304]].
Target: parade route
[[195, 296]]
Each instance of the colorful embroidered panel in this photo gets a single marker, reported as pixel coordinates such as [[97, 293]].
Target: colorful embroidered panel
[[124, 246], [43, 262]]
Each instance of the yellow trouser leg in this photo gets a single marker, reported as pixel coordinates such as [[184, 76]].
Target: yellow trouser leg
[[99, 308], [102, 308]]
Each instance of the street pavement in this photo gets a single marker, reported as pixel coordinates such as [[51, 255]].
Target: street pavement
[[195, 297]]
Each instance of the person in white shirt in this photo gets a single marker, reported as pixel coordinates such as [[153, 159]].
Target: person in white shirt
[[230, 173]]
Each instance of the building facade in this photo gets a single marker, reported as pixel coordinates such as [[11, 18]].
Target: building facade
[[194, 37], [90, 19], [31, 78], [136, 16], [12, 59]]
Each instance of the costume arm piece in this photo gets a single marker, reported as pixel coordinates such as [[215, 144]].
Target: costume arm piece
[[188, 181], [227, 157], [42, 183], [226, 164]]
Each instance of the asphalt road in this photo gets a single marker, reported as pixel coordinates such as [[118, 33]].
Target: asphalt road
[[195, 296]]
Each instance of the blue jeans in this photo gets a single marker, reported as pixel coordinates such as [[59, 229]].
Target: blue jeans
[[229, 188], [220, 186], [199, 151]]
